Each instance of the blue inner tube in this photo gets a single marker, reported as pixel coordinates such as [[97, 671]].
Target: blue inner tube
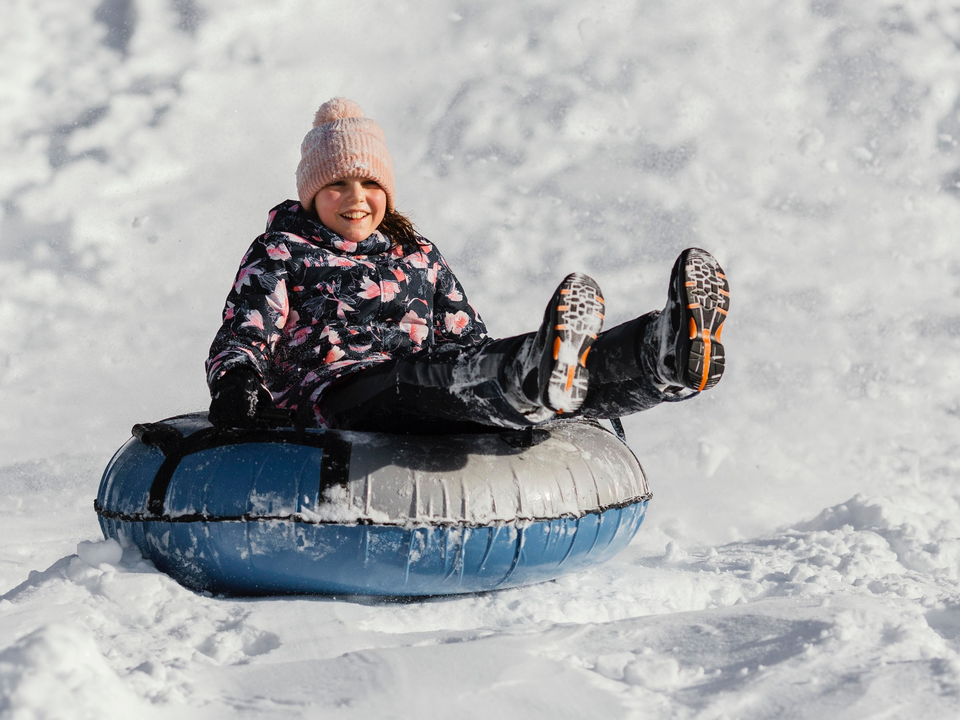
[[276, 511]]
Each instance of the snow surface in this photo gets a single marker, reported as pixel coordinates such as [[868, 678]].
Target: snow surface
[[801, 557]]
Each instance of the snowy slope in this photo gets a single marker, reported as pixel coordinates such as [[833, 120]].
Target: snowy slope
[[801, 558]]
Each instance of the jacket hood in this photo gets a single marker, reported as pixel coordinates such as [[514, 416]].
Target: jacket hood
[[290, 217]]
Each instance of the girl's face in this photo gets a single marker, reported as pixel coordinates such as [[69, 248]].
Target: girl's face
[[352, 207]]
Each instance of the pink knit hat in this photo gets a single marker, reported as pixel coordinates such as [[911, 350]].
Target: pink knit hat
[[343, 143]]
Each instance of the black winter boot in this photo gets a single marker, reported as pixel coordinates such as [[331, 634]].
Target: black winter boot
[[549, 373], [682, 346]]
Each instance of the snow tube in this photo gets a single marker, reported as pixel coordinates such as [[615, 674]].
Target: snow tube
[[283, 510]]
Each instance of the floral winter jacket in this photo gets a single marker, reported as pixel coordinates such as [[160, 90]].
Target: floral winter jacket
[[309, 306]]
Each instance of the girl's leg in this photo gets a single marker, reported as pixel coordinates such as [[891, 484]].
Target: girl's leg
[[619, 383], [663, 356], [659, 357], [429, 393], [511, 383], [460, 391]]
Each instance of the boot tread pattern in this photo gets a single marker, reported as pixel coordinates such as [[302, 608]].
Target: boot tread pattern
[[578, 320], [707, 301]]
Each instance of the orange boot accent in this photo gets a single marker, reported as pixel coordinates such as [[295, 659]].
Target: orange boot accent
[[706, 359]]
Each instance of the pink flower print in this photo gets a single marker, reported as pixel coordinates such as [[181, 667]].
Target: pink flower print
[[333, 355], [345, 245], [399, 274], [418, 260], [389, 290], [254, 319], [293, 319], [309, 379], [338, 261], [228, 312], [295, 238], [370, 289], [455, 295], [278, 302], [270, 217], [342, 309], [300, 336], [331, 335], [278, 252], [339, 365], [213, 372], [456, 322], [360, 348], [415, 326], [247, 272]]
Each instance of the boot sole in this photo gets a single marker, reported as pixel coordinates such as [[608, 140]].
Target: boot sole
[[576, 319], [707, 299]]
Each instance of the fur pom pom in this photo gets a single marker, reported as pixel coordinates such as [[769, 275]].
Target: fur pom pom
[[336, 109]]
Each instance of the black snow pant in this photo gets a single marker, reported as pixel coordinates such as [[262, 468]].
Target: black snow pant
[[464, 391]]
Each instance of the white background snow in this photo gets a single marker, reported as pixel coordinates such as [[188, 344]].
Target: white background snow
[[801, 557]]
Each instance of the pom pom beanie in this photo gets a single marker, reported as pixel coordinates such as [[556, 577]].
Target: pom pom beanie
[[343, 143]]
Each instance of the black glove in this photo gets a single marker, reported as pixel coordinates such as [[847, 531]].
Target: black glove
[[236, 397]]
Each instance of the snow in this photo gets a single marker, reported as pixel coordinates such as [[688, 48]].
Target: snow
[[801, 555]]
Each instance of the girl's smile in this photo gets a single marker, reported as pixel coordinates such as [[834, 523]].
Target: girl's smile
[[352, 207]]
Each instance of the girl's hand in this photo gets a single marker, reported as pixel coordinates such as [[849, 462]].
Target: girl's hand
[[235, 399]]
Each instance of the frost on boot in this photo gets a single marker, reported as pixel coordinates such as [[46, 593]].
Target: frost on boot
[[549, 374], [682, 348]]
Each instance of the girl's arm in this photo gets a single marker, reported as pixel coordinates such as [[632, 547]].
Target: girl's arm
[[455, 319], [255, 313]]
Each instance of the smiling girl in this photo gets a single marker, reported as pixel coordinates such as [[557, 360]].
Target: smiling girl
[[342, 314]]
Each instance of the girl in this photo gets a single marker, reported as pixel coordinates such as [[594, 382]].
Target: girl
[[346, 317]]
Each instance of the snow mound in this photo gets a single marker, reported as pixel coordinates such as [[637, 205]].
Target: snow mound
[[924, 535], [160, 635], [97, 553], [57, 672]]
